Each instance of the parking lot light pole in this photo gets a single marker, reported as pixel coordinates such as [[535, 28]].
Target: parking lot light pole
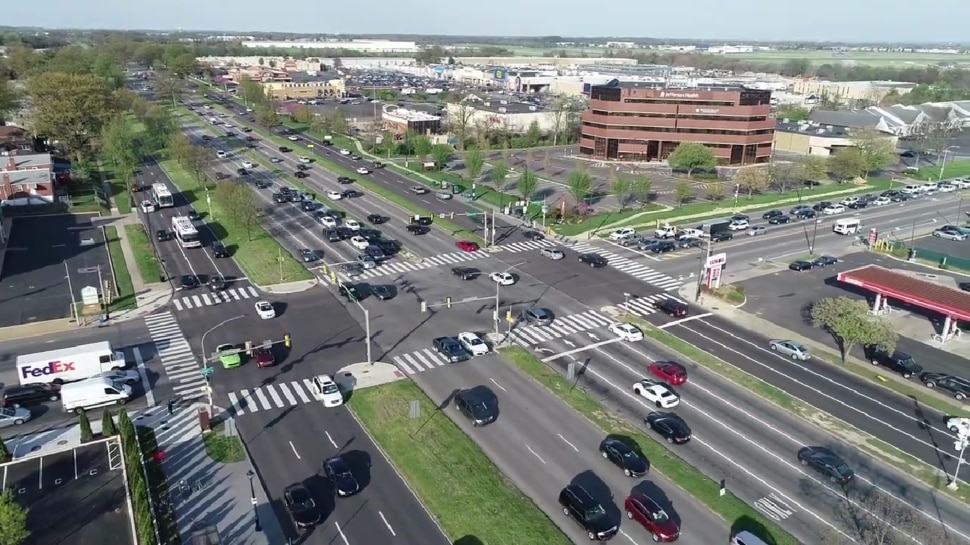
[[205, 359], [498, 302]]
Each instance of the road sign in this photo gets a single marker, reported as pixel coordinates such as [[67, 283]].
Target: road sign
[[207, 371]]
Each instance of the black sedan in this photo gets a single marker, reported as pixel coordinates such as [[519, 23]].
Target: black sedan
[[670, 426], [190, 282], [376, 219], [299, 503], [826, 462], [772, 214], [801, 265], [825, 260], [624, 457], [341, 476], [593, 260]]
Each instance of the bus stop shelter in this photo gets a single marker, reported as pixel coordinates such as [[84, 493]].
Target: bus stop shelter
[[951, 302]]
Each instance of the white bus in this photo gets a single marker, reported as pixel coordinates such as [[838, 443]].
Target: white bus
[[161, 194], [185, 232]]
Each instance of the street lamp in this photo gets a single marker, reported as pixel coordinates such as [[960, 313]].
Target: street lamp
[[252, 499], [960, 445], [943, 162], [498, 301], [205, 359]]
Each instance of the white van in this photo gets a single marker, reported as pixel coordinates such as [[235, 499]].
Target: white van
[[848, 226], [92, 393], [746, 538]]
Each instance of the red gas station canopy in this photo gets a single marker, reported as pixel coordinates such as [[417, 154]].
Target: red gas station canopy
[[948, 301]]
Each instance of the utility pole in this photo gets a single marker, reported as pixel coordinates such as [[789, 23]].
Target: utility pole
[[70, 289]]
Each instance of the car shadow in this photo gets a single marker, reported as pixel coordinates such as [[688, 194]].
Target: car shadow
[[652, 490], [600, 491]]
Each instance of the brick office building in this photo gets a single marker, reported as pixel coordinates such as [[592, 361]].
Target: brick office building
[[634, 121]]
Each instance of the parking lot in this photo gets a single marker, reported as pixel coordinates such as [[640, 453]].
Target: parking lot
[[41, 252], [74, 496], [785, 298]]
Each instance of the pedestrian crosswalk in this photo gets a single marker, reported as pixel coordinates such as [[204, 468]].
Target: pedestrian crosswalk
[[632, 268], [273, 396], [402, 267], [181, 367], [525, 245], [214, 298]]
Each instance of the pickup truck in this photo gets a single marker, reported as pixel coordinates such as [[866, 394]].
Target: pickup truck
[[451, 349]]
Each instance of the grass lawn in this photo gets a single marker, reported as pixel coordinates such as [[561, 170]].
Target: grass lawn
[[662, 460], [222, 448], [455, 480], [141, 246], [953, 169], [124, 297], [262, 259]]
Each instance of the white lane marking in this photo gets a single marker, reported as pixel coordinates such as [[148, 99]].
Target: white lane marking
[[577, 350], [567, 442], [143, 374], [332, 442], [682, 320], [535, 454], [292, 446], [388, 524], [500, 387], [341, 532]]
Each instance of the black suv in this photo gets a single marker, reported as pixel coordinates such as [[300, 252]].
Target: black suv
[[904, 364], [31, 394], [219, 249], [593, 260], [578, 504], [672, 307], [958, 386], [451, 349], [478, 404], [826, 462]]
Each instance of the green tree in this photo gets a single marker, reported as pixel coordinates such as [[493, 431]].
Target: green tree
[[422, 146], [813, 168], [849, 322], [691, 156], [13, 520], [620, 187], [683, 192], [846, 164], [533, 135], [85, 424], [108, 428], [107, 68], [70, 108], [580, 185], [4, 452], [876, 151], [474, 163], [170, 87], [241, 205], [752, 180], [159, 128], [792, 113], [120, 146], [641, 187], [9, 100], [528, 185], [441, 154]]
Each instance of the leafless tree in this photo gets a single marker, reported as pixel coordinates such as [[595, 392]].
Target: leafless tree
[[873, 517]]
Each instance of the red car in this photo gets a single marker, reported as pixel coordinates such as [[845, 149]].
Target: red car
[[672, 373], [263, 357], [650, 515], [467, 246]]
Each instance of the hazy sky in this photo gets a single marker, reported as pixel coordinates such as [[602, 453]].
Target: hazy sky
[[735, 20]]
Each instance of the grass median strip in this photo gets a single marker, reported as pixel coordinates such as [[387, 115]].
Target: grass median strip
[[662, 460], [456, 481], [885, 452], [124, 297], [141, 246], [260, 256]]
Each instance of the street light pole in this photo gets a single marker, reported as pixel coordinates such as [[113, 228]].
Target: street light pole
[[252, 499], [205, 359], [963, 440]]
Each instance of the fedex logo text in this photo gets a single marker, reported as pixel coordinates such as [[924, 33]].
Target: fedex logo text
[[52, 368]]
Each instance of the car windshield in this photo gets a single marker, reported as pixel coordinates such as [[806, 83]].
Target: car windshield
[[595, 512]]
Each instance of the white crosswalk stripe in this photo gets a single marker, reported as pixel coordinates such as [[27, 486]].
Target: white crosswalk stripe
[[632, 268], [178, 361], [526, 245], [401, 267], [214, 298]]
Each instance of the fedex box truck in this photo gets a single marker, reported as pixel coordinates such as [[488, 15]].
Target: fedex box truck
[[69, 364]]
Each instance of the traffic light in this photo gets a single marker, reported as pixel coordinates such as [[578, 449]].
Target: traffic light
[[287, 341], [448, 302], [424, 306]]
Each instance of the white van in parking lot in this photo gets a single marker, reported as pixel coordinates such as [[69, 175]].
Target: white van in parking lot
[[848, 226]]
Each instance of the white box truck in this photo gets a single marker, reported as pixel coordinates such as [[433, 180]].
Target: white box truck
[[92, 393], [69, 364]]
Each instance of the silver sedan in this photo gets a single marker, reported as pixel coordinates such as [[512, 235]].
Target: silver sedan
[[791, 349]]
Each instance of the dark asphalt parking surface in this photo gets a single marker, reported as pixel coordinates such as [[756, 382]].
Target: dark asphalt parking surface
[[33, 282], [785, 299]]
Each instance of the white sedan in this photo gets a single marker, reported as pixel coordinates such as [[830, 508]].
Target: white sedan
[[247, 164], [353, 225], [626, 332], [334, 195], [624, 232], [327, 391], [304, 159], [359, 242], [833, 209], [473, 343], [503, 278], [362, 170], [122, 375], [265, 310], [658, 393]]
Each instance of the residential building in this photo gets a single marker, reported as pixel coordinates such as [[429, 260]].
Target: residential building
[[25, 179], [634, 121], [502, 113], [400, 121], [814, 138], [290, 90]]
